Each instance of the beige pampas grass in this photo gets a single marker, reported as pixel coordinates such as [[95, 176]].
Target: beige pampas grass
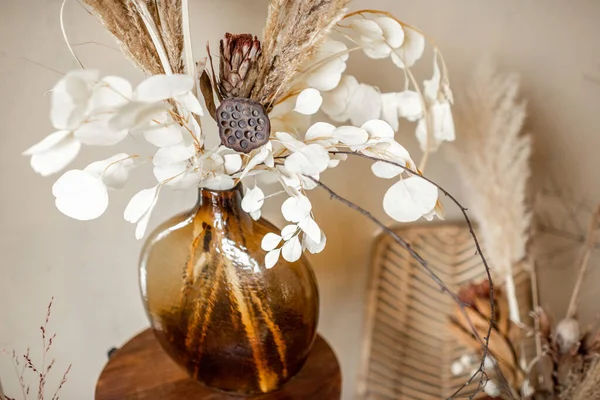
[[492, 155], [171, 30], [294, 31], [123, 19]]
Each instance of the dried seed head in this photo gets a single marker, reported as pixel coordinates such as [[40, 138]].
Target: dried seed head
[[238, 67], [568, 334], [243, 124]]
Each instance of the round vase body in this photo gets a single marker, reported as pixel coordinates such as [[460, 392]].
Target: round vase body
[[230, 322]]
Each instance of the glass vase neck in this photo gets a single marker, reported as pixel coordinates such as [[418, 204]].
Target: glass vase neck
[[219, 202]]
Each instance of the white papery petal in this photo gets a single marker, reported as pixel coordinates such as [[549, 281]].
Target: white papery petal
[[410, 199], [376, 50], [162, 87], [288, 231], [172, 173], [309, 101], [364, 105], [315, 247], [292, 250], [190, 103], [270, 241], [142, 225], [392, 31], [410, 105], [442, 126], [295, 209], [196, 132], [112, 93], [70, 98], [289, 178], [320, 130], [56, 158], [378, 129], [136, 114], [173, 154], [310, 227], [164, 135], [140, 204], [80, 195], [260, 156], [113, 171], [351, 135], [218, 182], [386, 171], [335, 102], [390, 110], [272, 258], [309, 184], [233, 163], [398, 153], [47, 143], [188, 179], [289, 141], [369, 29], [311, 160], [253, 200], [98, 133], [285, 119], [411, 50], [432, 86], [255, 215], [328, 75]]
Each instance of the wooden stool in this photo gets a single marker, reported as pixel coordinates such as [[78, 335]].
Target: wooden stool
[[141, 370]]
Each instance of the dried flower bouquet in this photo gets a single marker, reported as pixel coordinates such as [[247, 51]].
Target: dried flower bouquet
[[295, 71], [262, 99]]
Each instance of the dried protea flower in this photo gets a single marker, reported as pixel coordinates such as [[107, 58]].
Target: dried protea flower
[[238, 68]]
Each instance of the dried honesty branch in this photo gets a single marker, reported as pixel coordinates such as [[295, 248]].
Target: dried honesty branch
[[294, 32], [41, 372]]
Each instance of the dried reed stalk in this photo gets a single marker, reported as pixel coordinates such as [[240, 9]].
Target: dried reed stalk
[[294, 31], [492, 155]]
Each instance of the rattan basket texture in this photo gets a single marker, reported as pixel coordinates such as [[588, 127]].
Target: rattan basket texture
[[407, 349]]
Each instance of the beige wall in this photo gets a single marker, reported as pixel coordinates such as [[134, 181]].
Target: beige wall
[[90, 267]]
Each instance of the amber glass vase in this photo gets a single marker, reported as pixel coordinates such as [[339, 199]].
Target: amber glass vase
[[230, 322]]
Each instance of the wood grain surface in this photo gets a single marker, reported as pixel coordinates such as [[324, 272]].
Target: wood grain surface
[[141, 370]]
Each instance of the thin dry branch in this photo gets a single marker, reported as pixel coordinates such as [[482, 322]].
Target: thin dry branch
[[591, 238], [484, 341]]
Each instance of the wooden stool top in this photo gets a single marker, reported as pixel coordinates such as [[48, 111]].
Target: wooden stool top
[[141, 370]]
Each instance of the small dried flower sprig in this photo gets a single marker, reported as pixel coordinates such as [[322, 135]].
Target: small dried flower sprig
[[166, 111], [25, 363]]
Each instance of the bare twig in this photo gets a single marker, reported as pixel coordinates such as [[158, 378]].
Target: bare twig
[[585, 257]]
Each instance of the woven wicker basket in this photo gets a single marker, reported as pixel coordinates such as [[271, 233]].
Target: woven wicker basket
[[408, 350]]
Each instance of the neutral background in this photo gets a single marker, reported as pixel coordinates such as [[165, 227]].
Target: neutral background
[[90, 268]]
